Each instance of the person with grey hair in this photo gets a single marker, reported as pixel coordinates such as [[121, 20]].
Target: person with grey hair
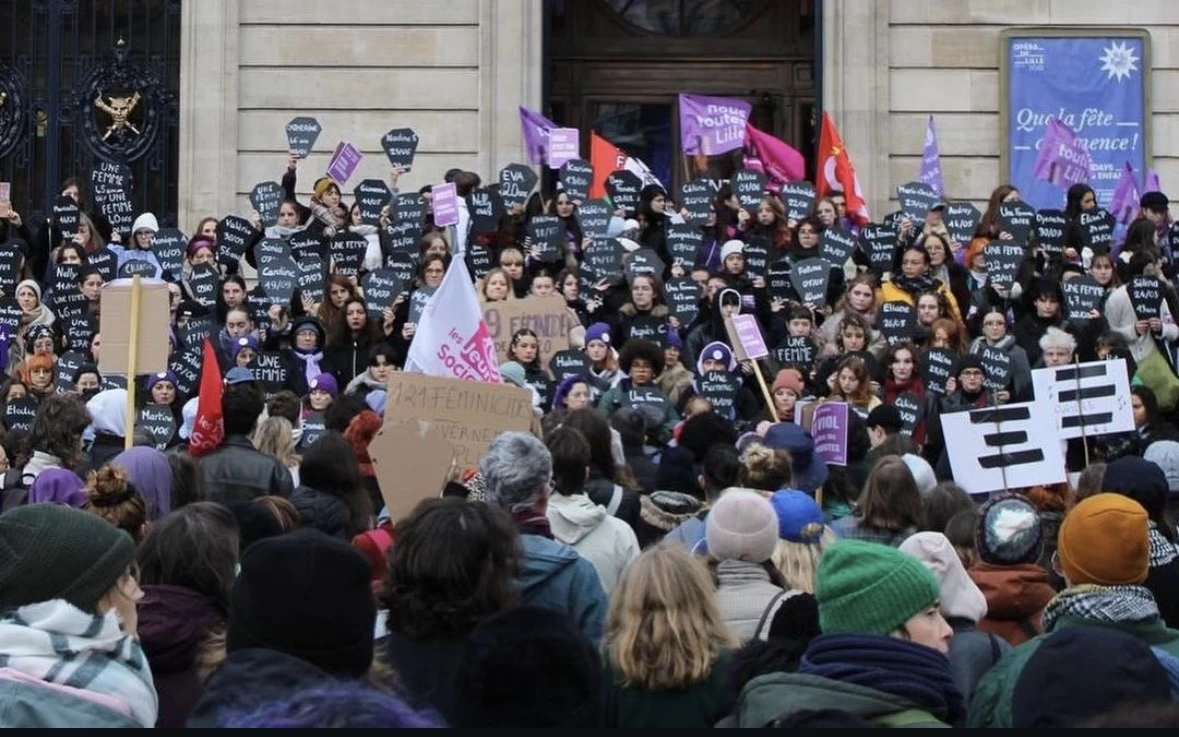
[[518, 470]]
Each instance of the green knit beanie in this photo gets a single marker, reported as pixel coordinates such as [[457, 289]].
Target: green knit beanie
[[870, 589], [49, 551]]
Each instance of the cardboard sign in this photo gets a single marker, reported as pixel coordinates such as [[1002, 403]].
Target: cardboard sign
[[749, 186], [153, 327], [401, 236], [1016, 218], [594, 218], [479, 260], [372, 196], [381, 288], [720, 388], [575, 178], [696, 200], [1097, 228], [203, 281], [270, 370], [745, 335], [279, 279], [644, 261], [158, 422], [548, 317], [266, 197], [683, 298], [400, 145], [778, 279], [836, 246], [897, 321], [547, 233], [564, 146], [799, 198], [996, 365], [312, 277], [1003, 260], [412, 466], [647, 327], [567, 363], [111, 381], [20, 413], [810, 277], [1008, 447], [879, 244], [909, 407], [271, 249], [118, 210], [937, 366], [624, 189], [302, 133], [186, 365], [233, 234], [757, 255], [314, 427], [829, 430], [63, 294], [1146, 295], [916, 199], [1082, 294], [65, 217], [345, 159], [68, 364], [1050, 230], [106, 262], [417, 302], [409, 206], [10, 315], [961, 219], [516, 183], [485, 207], [170, 247], [467, 414], [347, 253], [795, 350], [193, 334], [683, 243], [604, 258], [137, 265], [1086, 399]]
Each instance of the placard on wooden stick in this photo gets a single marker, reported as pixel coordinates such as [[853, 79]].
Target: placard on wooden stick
[[411, 465], [115, 326]]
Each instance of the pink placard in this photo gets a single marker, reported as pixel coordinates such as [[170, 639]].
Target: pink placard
[[564, 145], [445, 204], [750, 336], [344, 161]]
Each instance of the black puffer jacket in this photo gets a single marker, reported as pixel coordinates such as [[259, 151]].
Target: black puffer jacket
[[326, 513], [237, 472]]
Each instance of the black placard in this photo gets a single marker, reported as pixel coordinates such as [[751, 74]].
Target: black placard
[[417, 302], [1082, 294], [836, 246], [749, 186], [233, 233], [961, 220], [68, 301], [106, 262], [479, 260], [568, 362], [879, 244], [347, 253], [1050, 230], [916, 199], [410, 206], [644, 261], [381, 287], [485, 207], [547, 233], [696, 200], [79, 331], [996, 365], [271, 249], [270, 370], [720, 388], [137, 267], [68, 364], [20, 413], [604, 257], [683, 298], [909, 408], [65, 217], [109, 180], [1003, 260], [10, 260], [795, 349], [400, 145], [170, 247], [203, 282], [266, 197], [372, 196], [778, 279], [305, 244], [312, 277], [158, 422], [10, 315], [516, 183], [401, 236], [648, 327], [302, 133], [402, 265], [810, 277], [113, 381], [897, 321], [1097, 228], [314, 427], [623, 188], [1146, 295], [279, 279], [259, 306], [646, 396], [1016, 218], [575, 177], [118, 210], [683, 243], [799, 199], [193, 334], [937, 366], [757, 255], [594, 218], [186, 365]]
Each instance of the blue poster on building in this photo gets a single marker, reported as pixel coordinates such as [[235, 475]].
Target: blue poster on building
[[1095, 85]]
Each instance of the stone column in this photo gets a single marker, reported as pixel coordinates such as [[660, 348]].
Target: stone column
[[511, 61]]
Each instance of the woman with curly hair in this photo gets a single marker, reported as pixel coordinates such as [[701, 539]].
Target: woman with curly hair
[[112, 496], [642, 361], [56, 438]]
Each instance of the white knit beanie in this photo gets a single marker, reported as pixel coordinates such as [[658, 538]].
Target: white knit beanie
[[960, 596], [742, 525], [731, 247]]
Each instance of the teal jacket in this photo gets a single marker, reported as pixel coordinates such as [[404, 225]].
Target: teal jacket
[[619, 396], [27, 705], [553, 576]]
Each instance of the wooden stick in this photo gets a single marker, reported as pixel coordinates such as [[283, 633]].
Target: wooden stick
[[999, 431], [765, 390], [132, 351]]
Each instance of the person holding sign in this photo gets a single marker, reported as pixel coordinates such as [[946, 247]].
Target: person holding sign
[[1140, 311], [653, 204], [1045, 301], [642, 361], [914, 280], [143, 231], [806, 246], [769, 222], [859, 299], [850, 383], [995, 335], [350, 341], [945, 269]]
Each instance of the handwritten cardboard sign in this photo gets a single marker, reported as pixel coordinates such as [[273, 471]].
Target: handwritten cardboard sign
[[898, 321], [1050, 230], [749, 186], [594, 218], [1082, 294], [836, 246], [548, 317], [696, 199], [810, 277], [233, 234], [1017, 218], [372, 196], [799, 198], [917, 199], [879, 244], [575, 177], [1146, 296], [961, 218], [516, 183], [381, 287], [624, 189]]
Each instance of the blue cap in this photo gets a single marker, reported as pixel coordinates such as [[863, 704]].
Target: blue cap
[[797, 513], [238, 375]]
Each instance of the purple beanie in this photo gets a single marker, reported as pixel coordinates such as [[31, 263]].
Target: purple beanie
[[597, 331], [154, 379], [326, 383]]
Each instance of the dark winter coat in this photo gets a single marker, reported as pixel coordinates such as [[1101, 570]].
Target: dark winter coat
[[174, 622]]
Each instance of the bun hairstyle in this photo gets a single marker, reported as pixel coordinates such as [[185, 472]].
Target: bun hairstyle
[[112, 496], [766, 468]]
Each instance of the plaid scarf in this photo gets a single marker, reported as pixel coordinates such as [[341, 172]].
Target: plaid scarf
[[1102, 604], [1162, 550], [55, 642]]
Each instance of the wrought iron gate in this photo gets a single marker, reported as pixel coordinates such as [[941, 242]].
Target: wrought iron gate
[[84, 81]]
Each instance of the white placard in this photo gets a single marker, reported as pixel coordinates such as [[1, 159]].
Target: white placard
[[1104, 392], [1005, 447]]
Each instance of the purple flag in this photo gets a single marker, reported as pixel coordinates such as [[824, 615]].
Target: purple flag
[[712, 125], [535, 129], [1062, 159], [1124, 203], [829, 430], [1152, 182], [931, 160]]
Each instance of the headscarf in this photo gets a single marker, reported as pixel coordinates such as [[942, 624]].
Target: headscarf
[[58, 486], [151, 475]]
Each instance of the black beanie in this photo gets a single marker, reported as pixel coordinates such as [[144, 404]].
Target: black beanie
[[307, 595], [968, 361]]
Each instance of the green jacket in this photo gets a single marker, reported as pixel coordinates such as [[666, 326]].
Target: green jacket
[[766, 698], [991, 705], [619, 396], [701, 705]]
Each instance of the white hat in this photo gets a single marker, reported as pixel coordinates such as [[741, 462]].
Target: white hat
[[960, 596], [731, 247]]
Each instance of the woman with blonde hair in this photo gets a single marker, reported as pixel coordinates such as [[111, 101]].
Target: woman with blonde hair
[[275, 437], [667, 649], [765, 469], [858, 299], [802, 538], [496, 286]]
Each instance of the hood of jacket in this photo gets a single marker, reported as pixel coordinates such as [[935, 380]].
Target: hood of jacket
[[1013, 592], [768, 697], [667, 510], [174, 622], [544, 560], [573, 517], [108, 412]]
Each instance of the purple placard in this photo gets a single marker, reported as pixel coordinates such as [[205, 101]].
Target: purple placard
[[714, 124], [564, 145], [344, 162], [445, 204], [829, 429], [750, 336]]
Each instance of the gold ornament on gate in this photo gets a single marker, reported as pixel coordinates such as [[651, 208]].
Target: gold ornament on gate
[[119, 109], [3, 98]]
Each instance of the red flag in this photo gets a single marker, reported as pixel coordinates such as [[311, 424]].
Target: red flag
[[208, 431], [774, 158], [835, 172], [606, 159]]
